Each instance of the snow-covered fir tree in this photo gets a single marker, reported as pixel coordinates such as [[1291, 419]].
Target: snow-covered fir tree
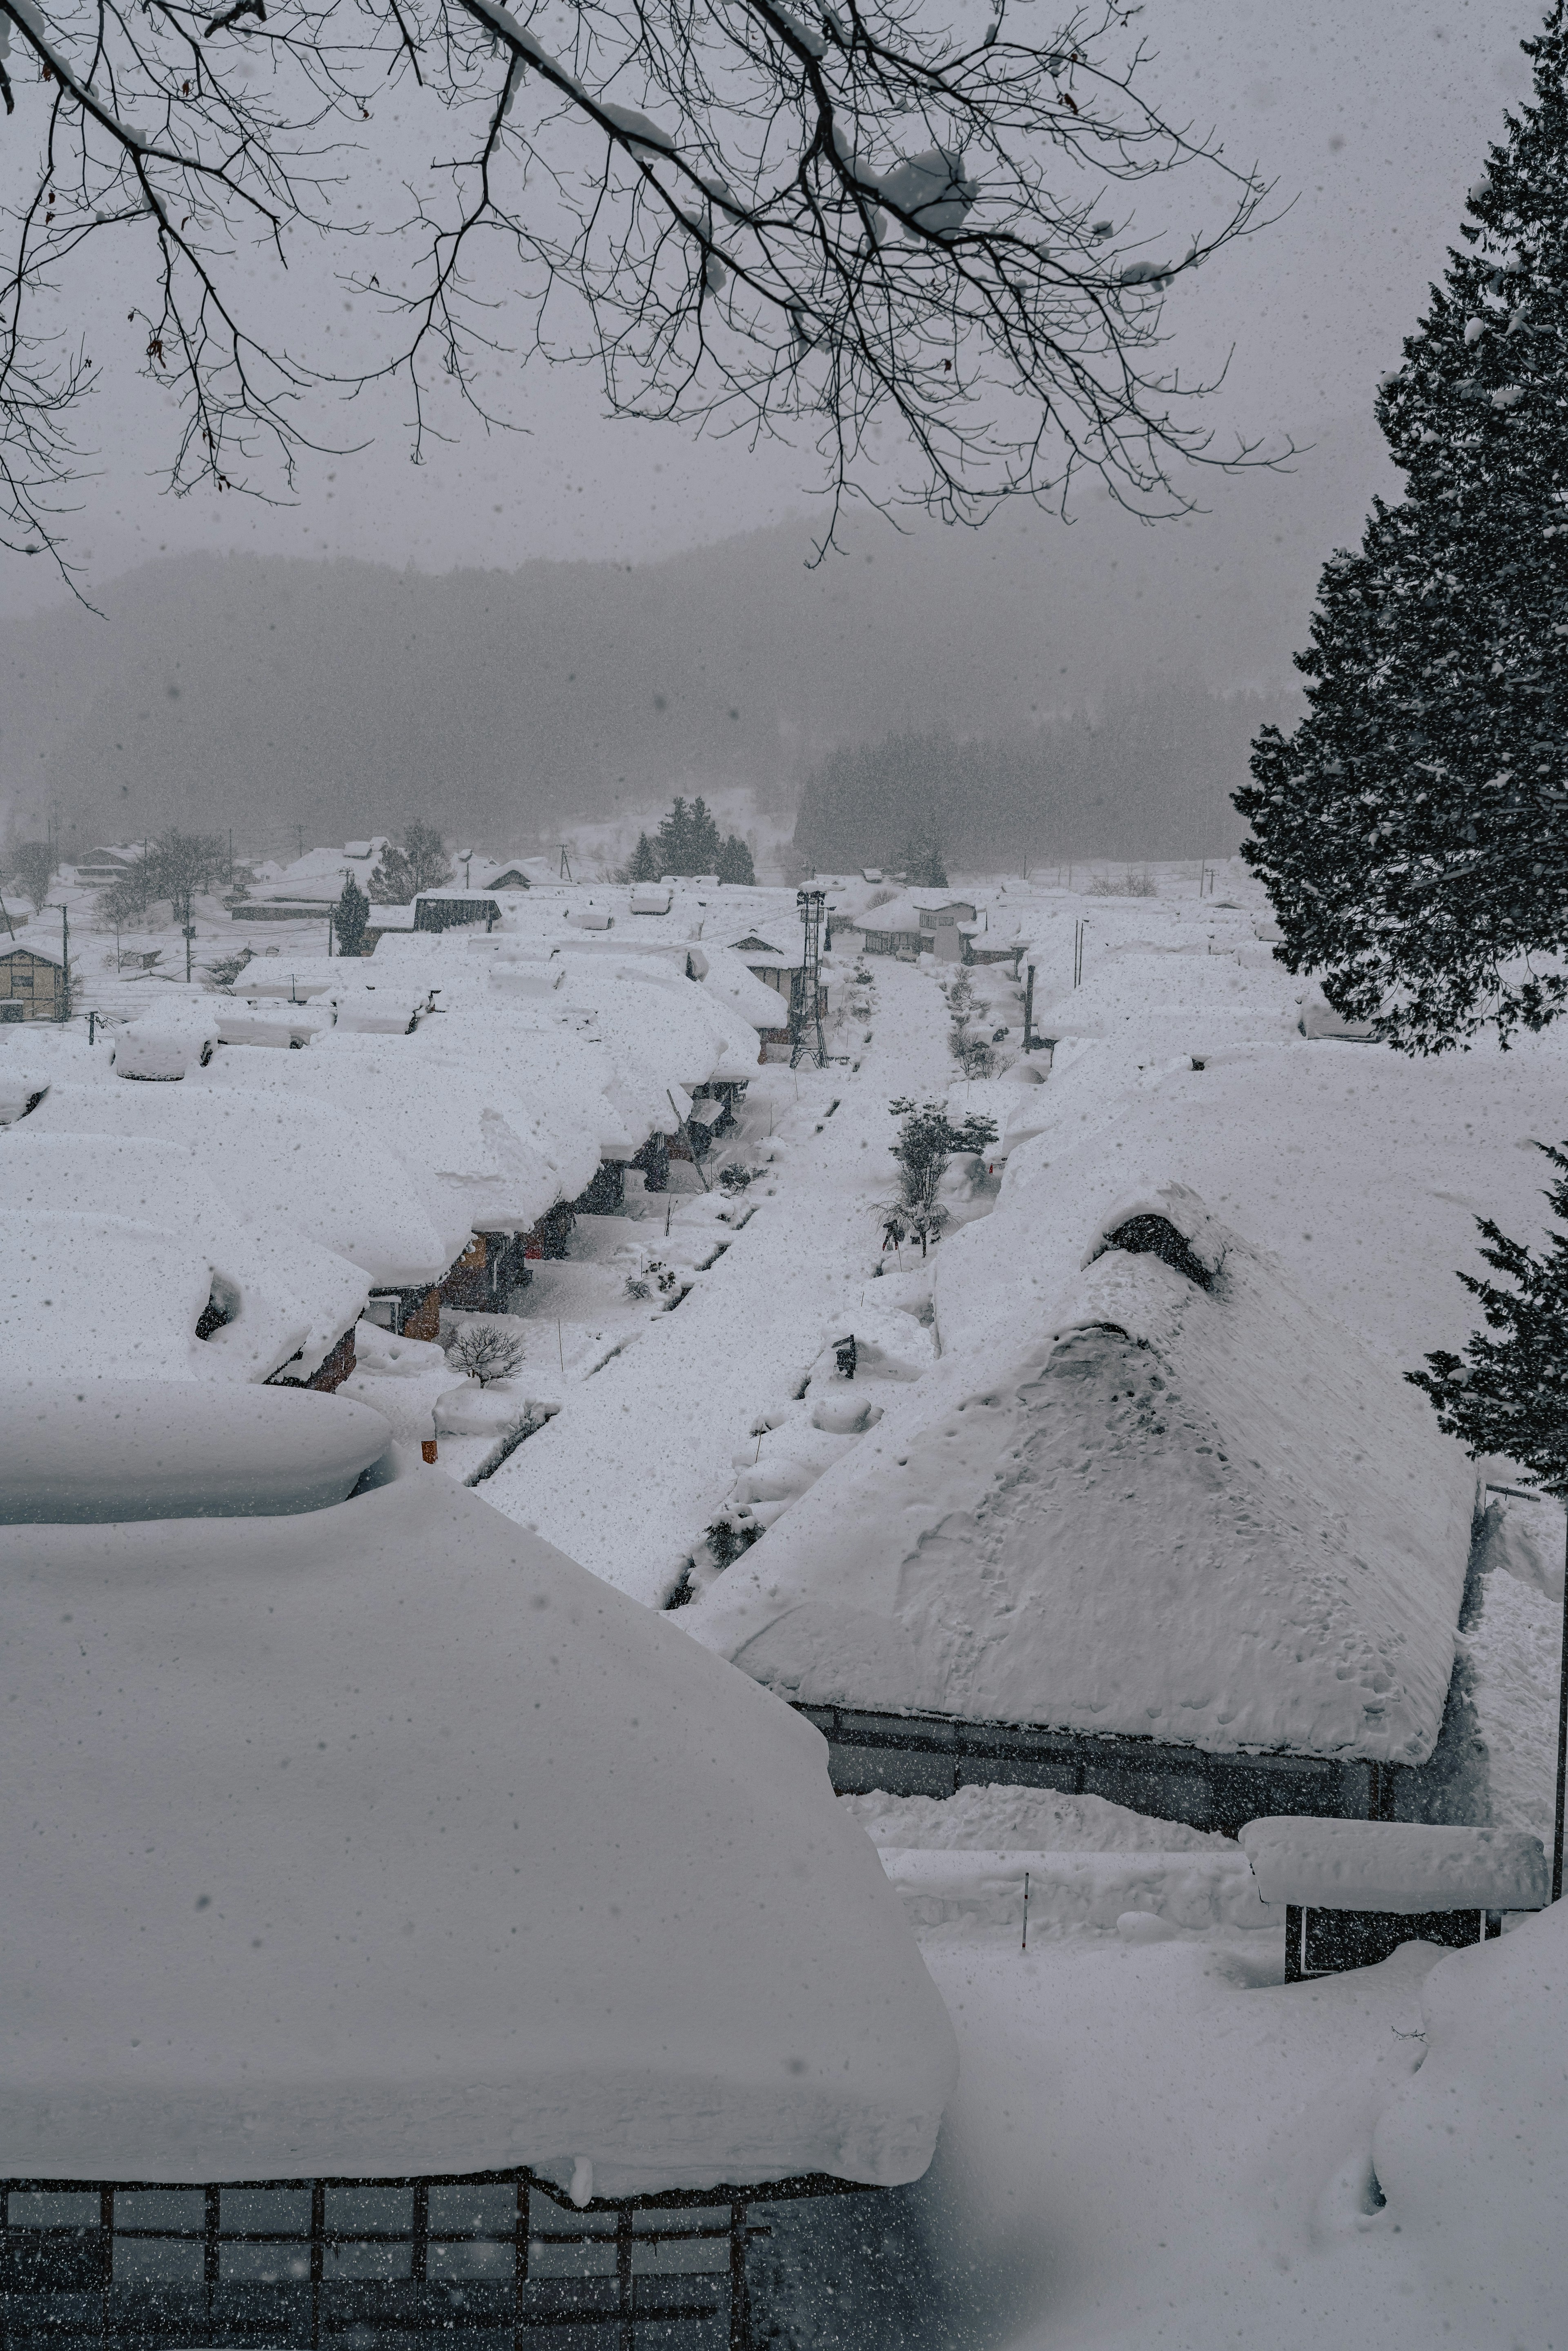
[[1411, 831], [1510, 1394], [735, 863], [350, 918]]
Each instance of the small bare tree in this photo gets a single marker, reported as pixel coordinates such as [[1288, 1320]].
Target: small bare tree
[[853, 218], [484, 1352]]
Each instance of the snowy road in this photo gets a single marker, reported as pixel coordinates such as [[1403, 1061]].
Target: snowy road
[[634, 1467]]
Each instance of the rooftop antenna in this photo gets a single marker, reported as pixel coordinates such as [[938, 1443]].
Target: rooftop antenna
[[806, 1042]]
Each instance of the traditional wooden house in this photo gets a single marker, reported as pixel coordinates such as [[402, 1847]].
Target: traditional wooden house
[[679, 2002], [35, 982], [1180, 1541], [891, 929]]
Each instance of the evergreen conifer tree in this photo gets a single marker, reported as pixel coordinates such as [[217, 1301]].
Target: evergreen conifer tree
[[643, 864], [688, 839], [923, 864], [671, 849], [1510, 1394], [735, 863], [1410, 831], [706, 847], [350, 917]]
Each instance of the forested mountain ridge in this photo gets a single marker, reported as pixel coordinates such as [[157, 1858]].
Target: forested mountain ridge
[[1148, 776]]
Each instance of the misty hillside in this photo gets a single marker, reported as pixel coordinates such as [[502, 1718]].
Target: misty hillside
[[266, 694], [1149, 777]]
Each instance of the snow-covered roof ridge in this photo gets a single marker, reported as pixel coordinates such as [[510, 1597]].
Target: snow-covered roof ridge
[[580, 1892], [1195, 1511], [1175, 1205]]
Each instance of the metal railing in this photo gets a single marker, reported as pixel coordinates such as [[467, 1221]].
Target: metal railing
[[297, 2264]]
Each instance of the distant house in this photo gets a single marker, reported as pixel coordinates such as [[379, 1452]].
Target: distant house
[[943, 926], [510, 877], [34, 984], [447, 909], [892, 929], [103, 865], [769, 963], [786, 974], [383, 919]]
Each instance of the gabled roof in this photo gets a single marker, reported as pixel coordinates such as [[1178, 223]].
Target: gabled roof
[[1182, 1504]]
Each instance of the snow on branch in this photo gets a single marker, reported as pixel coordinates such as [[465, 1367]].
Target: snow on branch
[[854, 224]]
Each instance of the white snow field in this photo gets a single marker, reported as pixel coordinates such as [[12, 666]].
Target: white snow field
[[383, 1839], [1153, 2139]]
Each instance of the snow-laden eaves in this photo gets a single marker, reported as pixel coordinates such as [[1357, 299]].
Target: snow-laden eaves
[[580, 1891]]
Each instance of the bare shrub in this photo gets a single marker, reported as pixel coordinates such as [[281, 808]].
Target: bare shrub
[[484, 1352]]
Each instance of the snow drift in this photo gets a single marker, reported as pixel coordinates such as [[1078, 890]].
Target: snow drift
[[394, 1842], [1187, 1507]]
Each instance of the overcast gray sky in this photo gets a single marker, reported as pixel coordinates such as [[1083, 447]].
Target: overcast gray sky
[[1372, 121]]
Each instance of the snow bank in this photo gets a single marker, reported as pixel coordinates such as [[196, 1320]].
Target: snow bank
[[1195, 1891], [1394, 1865], [1472, 2154], [395, 1842], [101, 1450], [163, 1045], [1190, 1512], [1040, 1820]]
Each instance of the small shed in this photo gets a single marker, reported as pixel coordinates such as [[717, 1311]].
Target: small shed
[[652, 897], [1354, 1890], [34, 983]]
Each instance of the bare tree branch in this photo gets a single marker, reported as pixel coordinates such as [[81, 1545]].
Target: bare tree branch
[[943, 259]]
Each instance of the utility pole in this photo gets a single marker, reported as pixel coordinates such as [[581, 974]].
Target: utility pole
[[1029, 1011], [65, 961], [806, 1010], [565, 865]]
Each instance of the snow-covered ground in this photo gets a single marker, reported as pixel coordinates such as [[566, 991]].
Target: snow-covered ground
[[1155, 2139]]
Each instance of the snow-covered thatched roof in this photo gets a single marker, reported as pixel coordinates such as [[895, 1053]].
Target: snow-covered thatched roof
[[1182, 1504], [394, 1842], [318, 1172], [287, 1301]]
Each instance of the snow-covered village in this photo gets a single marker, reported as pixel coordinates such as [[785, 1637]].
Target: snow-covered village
[[783, 1177]]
